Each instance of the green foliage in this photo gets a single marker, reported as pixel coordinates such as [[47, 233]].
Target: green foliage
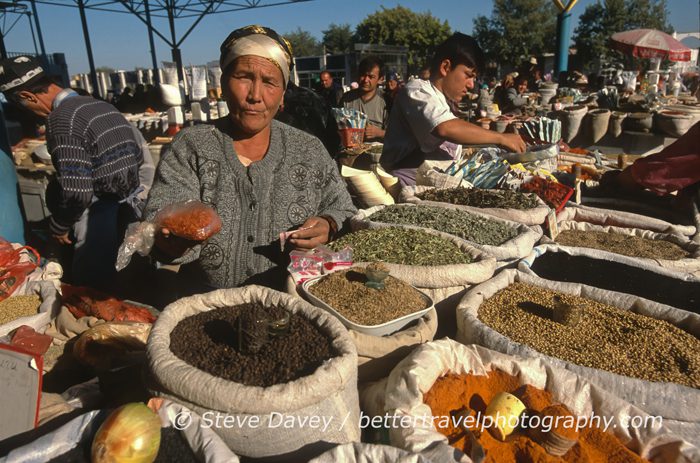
[[601, 20], [338, 38], [420, 32], [516, 30], [303, 43]]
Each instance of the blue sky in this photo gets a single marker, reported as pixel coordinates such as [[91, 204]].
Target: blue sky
[[120, 41]]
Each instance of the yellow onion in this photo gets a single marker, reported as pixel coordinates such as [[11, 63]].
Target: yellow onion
[[131, 434]]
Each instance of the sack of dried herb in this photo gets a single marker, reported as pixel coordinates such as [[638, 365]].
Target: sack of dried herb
[[411, 382], [671, 251], [506, 322], [328, 391], [598, 216], [528, 214], [502, 239]]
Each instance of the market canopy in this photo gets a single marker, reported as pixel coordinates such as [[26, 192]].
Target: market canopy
[[650, 43]]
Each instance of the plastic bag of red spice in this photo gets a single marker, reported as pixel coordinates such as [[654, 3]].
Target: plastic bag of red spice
[[192, 220]]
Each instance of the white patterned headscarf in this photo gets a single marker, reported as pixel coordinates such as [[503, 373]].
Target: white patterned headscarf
[[258, 41]]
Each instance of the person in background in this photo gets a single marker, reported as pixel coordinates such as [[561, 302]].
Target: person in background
[[424, 72], [263, 177], [368, 99], [675, 168], [392, 85], [515, 97], [421, 125], [331, 92], [101, 172]]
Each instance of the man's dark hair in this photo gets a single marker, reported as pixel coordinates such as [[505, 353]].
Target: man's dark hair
[[369, 63], [459, 49]]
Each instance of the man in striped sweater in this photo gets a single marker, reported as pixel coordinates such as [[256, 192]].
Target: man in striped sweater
[[98, 158]]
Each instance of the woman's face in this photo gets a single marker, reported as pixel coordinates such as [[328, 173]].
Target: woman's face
[[392, 85], [522, 86], [253, 90]]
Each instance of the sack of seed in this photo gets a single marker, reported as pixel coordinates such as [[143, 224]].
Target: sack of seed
[[483, 201], [292, 420], [502, 239], [644, 364], [603, 270], [410, 386], [597, 216], [671, 251], [38, 304]]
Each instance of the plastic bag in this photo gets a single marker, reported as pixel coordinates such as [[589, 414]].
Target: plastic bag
[[192, 220], [305, 265], [15, 267], [109, 344]]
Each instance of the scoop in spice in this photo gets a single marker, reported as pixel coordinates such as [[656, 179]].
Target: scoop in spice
[[376, 273]]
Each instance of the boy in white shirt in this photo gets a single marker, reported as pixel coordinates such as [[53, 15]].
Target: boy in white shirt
[[421, 124]]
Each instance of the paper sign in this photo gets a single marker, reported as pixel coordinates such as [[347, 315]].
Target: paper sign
[[20, 383], [552, 225]]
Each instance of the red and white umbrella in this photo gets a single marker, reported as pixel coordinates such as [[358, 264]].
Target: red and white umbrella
[[650, 43]]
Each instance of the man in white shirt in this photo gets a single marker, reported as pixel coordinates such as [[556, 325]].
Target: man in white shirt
[[421, 124]]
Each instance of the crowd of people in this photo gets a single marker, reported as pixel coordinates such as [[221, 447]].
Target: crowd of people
[[265, 168]]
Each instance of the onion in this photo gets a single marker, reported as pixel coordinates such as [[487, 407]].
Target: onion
[[131, 434]]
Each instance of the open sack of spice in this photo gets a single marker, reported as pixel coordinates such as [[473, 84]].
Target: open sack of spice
[[191, 220], [643, 352], [493, 407]]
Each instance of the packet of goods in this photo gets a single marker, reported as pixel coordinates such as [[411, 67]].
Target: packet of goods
[[191, 220], [305, 265], [284, 236]]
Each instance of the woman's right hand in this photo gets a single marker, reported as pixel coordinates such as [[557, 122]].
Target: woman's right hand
[[171, 245], [512, 142]]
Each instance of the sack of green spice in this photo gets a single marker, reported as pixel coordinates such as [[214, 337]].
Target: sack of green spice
[[671, 251], [529, 216], [502, 239], [529, 323], [597, 216], [412, 380]]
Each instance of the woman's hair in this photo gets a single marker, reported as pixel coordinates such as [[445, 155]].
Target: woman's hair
[[459, 49]]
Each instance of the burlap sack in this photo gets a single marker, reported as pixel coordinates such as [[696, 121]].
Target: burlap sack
[[330, 392], [416, 374], [514, 248], [685, 299], [597, 216], [673, 402], [534, 216], [689, 264]]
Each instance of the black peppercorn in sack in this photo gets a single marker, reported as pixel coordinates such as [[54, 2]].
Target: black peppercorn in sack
[[191, 220], [644, 352], [308, 400]]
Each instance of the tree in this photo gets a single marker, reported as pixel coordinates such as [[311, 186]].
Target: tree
[[599, 21], [420, 32], [303, 43], [516, 30], [338, 38]]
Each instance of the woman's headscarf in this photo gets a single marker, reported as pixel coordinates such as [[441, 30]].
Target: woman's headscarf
[[258, 41]]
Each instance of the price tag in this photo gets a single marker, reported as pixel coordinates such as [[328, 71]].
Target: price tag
[[577, 191], [552, 225]]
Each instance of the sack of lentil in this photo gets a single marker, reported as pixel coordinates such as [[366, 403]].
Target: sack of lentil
[[73, 441], [529, 216], [614, 272], [35, 307], [502, 239], [293, 419], [409, 392], [675, 252], [597, 216], [359, 452], [644, 364]]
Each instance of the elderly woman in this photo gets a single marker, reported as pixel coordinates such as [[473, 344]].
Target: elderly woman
[[263, 177]]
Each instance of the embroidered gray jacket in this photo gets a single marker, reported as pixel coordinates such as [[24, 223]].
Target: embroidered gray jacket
[[296, 179]]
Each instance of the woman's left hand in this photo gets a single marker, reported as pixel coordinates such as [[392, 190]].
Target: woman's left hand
[[315, 234]]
